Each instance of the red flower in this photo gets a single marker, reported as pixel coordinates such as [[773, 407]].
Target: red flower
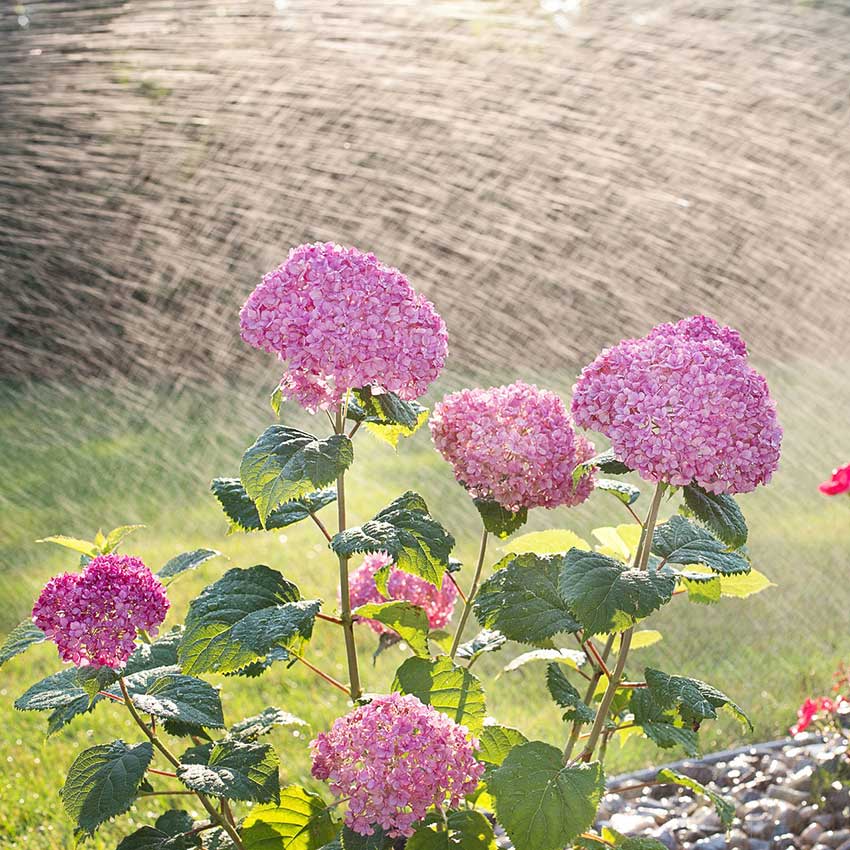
[[809, 710], [839, 483]]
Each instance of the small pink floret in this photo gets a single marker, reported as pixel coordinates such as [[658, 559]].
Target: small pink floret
[[683, 405], [514, 445], [395, 758], [93, 616], [438, 603], [341, 320]]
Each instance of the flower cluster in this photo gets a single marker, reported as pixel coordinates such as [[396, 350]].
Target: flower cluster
[[93, 616], [839, 482], [438, 603], [514, 445], [395, 758], [814, 709], [683, 405], [341, 319]]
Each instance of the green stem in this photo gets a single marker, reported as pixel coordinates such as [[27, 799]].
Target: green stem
[[170, 757], [591, 690], [345, 596], [640, 563], [467, 605]]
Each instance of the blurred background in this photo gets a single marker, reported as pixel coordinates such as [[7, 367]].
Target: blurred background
[[553, 174]]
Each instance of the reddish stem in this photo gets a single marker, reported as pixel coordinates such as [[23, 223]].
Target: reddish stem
[[329, 679], [162, 773], [321, 526], [459, 588], [600, 661], [329, 618], [110, 696]]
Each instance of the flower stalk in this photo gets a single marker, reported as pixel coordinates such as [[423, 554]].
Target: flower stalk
[[467, 605]]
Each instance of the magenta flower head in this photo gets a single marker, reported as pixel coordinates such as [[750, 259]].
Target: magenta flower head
[[93, 616], [683, 405], [341, 320], [438, 603], [395, 758], [514, 445]]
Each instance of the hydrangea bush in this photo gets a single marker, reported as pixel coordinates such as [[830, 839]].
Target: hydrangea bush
[[425, 766]]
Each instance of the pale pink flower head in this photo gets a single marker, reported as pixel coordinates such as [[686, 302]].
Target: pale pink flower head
[[395, 758], [341, 319], [93, 616], [438, 603], [683, 405], [514, 445]]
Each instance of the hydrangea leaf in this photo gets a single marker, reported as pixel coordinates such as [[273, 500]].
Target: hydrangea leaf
[[487, 640], [611, 838], [386, 415], [103, 781], [253, 727], [542, 804], [351, 840], [573, 658], [495, 742], [243, 515], [238, 770], [620, 542], [62, 695], [187, 561], [641, 639], [556, 541], [566, 696], [301, 821], [20, 639], [694, 700], [606, 595], [522, 600], [417, 543], [276, 400], [498, 520], [115, 537], [703, 590], [679, 541], [720, 513], [172, 831], [85, 547], [739, 586], [725, 809], [240, 618], [603, 462], [285, 464], [463, 830], [628, 494], [171, 695], [662, 725], [409, 621], [450, 689]]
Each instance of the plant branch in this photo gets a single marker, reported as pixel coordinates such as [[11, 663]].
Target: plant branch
[[321, 526], [460, 592], [329, 679], [591, 690], [355, 429], [329, 618], [467, 605], [600, 661], [345, 597]]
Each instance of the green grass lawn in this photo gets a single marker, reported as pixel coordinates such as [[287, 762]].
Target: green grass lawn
[[75, 462]]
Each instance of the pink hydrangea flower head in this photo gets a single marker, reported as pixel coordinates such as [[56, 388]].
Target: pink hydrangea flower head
[[341, 320], [395, 758], [93, 616], [683, 405], [438, 603], [514, 445]]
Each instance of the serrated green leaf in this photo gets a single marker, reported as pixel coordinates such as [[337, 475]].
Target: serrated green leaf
[[20, 639], [640, 639], [386, 415], [542, 804], [573, 658], [408, 621], [678, 541], [171, 832], [557, 541], [605, 595], [252, 728], [487, 640], [661, 724], [566, 696], [351, 840], [301, 821], [495, 742], [86, 547], [175, 696], [102, 782], [667, 736], [61, 694], [498, 520], [187, 561], [628, 494], [276, 400], [725, 809], [450, 689], [720, 513], [285, 464], [116, 536], [522, 601], [603, 462], [630, 842], [238, 770], [463, 830], [693, 699], [243, 515], [416, 542], [738, 586], [240, 618], [704, 591], [620, 542]]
